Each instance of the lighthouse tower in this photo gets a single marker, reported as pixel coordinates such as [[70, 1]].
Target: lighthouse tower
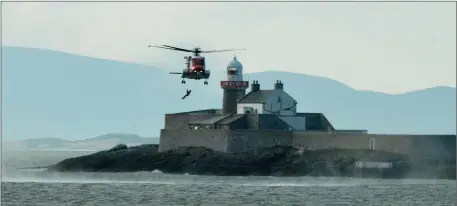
[[234, 87]]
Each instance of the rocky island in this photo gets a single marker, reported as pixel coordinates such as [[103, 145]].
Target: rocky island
[[271, 161]]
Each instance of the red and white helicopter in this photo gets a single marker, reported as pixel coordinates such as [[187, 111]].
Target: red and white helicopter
[[195, 65]]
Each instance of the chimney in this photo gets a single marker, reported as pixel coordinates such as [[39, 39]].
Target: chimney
[[255, 86], [278, 85]]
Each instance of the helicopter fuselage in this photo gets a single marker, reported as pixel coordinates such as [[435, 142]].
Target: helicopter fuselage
[[195, 69]]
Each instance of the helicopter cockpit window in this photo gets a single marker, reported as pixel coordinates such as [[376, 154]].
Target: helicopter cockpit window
[[200, 62]]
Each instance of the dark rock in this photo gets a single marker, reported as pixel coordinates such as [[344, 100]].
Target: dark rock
[[152, 147], [272, 161], [118, 147]]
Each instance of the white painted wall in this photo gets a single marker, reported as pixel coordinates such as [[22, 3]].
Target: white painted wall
[[287, 102], [272, 105], [241, 108], [296, 122]]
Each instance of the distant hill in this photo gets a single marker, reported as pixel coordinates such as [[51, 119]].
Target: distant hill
[[49, 93], [101, 142]]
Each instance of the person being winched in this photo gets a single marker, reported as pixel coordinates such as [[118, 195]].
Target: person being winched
[[187, 93]]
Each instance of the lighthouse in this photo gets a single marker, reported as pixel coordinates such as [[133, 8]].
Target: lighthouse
[[234, 87]]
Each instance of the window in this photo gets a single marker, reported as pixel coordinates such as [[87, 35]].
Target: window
[[232, 71], [372, 143], [198, 62]]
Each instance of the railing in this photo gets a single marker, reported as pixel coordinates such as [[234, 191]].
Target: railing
[[234, 84]]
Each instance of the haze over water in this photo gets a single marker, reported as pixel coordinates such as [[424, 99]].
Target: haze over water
[[34, 187]]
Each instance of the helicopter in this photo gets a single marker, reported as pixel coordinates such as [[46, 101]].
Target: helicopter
[[195, 65]]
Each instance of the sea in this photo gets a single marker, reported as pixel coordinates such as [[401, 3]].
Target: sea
[[24, 187]]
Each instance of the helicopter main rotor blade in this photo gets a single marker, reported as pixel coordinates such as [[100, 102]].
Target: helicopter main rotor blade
[[224, 50], [162, 47], [171, 48], [178, 48]]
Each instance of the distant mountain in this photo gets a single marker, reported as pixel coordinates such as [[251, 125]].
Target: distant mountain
[[49, 93], [125, 137], [101, 142]]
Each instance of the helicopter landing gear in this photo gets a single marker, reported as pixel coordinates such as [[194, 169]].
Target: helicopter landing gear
[[205, 83], [183, 81]]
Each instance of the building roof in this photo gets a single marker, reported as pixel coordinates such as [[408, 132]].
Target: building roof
[[324, 118], [235, 64], [230, 119], [209, 119], [200, 112], [260, 96], [271, 122], [355, 131]]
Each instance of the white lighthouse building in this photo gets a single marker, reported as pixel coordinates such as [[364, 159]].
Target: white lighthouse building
[[234, 87]]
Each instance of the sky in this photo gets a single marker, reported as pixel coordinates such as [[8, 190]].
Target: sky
[[386, 47]]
